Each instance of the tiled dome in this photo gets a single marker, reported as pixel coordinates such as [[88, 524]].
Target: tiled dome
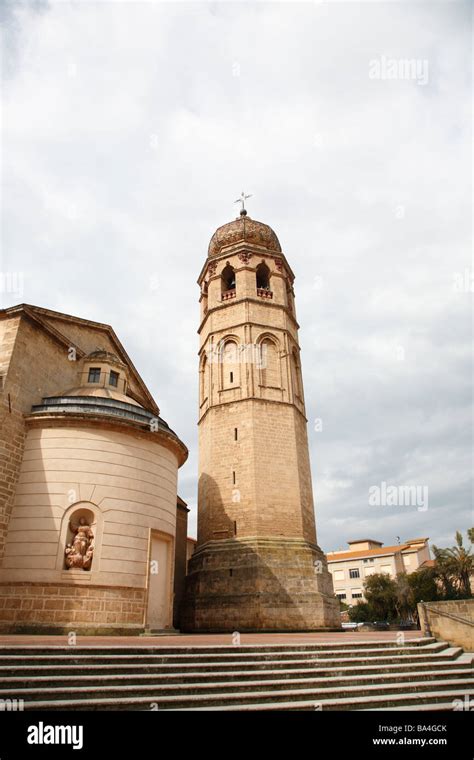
[[243, 229]]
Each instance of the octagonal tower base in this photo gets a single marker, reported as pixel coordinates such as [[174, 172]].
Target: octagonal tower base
[[259, 584]]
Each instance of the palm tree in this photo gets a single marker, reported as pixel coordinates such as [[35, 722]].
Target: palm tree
[[456, 565]]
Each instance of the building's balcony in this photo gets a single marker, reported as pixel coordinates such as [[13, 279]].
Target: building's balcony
[[228, 294], [264, 293]]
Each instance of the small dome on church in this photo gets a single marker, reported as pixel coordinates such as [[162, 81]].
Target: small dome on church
[[243, 229]]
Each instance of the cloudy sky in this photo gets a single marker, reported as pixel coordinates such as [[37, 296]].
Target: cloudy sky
[[129, 128]]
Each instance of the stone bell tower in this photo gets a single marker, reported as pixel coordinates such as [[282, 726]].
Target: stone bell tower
[[257, 565]]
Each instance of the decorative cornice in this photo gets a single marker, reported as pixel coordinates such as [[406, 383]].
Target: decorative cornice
[[161, 434], [249, 299]]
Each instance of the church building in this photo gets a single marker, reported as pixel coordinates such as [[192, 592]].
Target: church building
[[92, 532]]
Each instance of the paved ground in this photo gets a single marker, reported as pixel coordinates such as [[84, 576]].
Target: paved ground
[[215, 639]]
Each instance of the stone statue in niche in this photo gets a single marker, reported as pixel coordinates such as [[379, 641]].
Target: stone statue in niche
[[80, 552]]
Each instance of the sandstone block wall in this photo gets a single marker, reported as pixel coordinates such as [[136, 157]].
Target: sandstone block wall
[[68, 608], [452, 621]]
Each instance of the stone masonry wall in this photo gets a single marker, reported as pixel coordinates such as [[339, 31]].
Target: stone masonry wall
[[39, 605], [457, 630]]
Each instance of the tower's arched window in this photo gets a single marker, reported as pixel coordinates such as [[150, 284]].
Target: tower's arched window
[[270, 364], [228, 281], [263, 277], [230, 365], [296, 373]]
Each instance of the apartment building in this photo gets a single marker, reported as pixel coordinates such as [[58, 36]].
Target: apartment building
[[351, 567]]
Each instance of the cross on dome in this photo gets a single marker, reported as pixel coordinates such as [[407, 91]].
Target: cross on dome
[[242, 199]]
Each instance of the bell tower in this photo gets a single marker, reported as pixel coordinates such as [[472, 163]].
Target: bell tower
[[257, 565]]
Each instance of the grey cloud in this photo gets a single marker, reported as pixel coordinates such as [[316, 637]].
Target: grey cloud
[[128, 130]]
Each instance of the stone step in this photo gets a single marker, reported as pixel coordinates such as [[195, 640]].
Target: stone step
[[345, 675], [49, 673], [449, 654], [221, 693], [401, 696], [429, 700], [113, 685], [235, 656], [214, 649], [431, 707]]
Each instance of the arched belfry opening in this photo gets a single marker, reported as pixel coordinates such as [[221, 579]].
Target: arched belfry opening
[[228, 281], [263, 277]]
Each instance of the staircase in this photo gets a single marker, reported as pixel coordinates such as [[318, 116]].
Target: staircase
[[422, 674]]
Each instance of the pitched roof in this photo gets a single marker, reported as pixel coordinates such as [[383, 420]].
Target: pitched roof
[[41, 317], [337, 556], [363, 540]]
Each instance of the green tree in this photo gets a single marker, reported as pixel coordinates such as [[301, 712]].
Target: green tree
[[381, 593], [361, 613], [455, 567], [423, 584], [443, 575], [404, 602]]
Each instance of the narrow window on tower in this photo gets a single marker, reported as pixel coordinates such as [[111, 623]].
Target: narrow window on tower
[[235, 434], [229, 369], [233, 477]]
